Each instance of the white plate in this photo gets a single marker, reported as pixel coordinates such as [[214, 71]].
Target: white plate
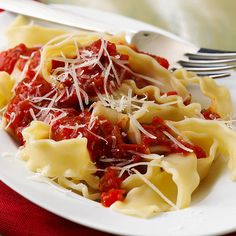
[[213, 209]]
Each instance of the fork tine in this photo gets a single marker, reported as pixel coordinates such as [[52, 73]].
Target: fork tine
[[208, 50], [211, 56], [210, 69], [206, 62], [215, 75]]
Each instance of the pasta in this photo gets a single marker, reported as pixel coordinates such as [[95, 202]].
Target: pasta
[[111, 123]]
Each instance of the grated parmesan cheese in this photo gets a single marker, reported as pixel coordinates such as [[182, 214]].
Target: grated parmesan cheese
[[168, 123], [139, 127], [153, 187], [128, 167], [175, 141]]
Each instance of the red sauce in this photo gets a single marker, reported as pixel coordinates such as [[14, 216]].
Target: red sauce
[[20, 104], [169, 93], [113, 195], [91, 78], [106, 144], [200, 153], [156, 128], [34, 55], [110, 180], [161, 60], [209, 114], [188, 101], [22, 116], [9, 58]]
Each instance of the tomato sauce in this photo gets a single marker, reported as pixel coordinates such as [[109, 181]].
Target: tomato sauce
[[20, 104], [156, 128], [110, 187], [161, 60], [188, 100], [169, 93], [91, 78], [9, 58], [34, 54], [113, 195], [106, 144], [209, 114]]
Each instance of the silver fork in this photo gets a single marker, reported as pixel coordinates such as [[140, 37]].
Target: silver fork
[[204, 62], [213, 63]]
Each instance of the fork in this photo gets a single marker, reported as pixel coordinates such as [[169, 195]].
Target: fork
[[180, 54], [203, 61]]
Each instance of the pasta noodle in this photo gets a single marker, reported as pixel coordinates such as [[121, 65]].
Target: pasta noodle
[[106, 121], [6, 85]]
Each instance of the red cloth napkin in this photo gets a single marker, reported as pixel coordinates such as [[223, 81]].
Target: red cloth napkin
[[20, 217]]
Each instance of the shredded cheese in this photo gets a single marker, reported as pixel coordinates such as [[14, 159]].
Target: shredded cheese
[[152, 156], [175, 141], [77, 88], [128, 167], [153, 187], [43, 179], [31, 111], [152, 80], [140, 127], [12, 118], [169, 103], [168, 123], [98, 136]]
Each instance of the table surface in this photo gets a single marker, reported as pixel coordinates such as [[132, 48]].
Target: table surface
[[207, 23]]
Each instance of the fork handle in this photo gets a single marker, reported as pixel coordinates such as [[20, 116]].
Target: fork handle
[[45, 12]]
